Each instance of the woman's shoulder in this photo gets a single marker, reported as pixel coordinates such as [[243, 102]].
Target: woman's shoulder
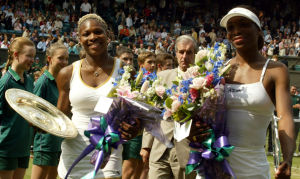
[[65, 74], [275, 65], [278, 70]]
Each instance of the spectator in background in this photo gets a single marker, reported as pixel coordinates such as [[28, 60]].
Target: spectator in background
[[125, 54], [296, 107], [73, 8], [157, 34], [164, 61], [65, 5], [132, 34], [297, 47], [43, 33], [177, 28], [202, 38], [85, 8], [73, 21], [5, 43], [67, 42], [159, 50], [271, 48], [9, 13], [134, 50], [73, 48], [194, 34], [29, 22], [41, 46], [17, 25], [151, 43], [65, 16], [26, 32], [164, 34], [141, 48], [148, 36], [120, 27], [12, 38], [35, 23], [129, 22], [124, 34], [150, 49], [282, 48], [120, 16], [268, 37], [213, 36], [58, 23]]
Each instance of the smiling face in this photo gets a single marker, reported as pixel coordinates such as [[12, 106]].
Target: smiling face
[[93, 37], [59, 59], [293, 90], [26, 57], [242, 33]]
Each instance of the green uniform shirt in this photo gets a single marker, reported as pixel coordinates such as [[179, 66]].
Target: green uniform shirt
[[1, 67], [295, 100], [45, 87], [15, 132]]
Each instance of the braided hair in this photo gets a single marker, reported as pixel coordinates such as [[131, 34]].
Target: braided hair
[[93, 17]]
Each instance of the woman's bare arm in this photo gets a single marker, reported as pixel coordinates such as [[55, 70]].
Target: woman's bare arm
[[284, 111], [63, 85]]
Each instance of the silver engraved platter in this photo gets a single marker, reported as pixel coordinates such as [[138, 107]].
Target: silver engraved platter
[[40, 113]]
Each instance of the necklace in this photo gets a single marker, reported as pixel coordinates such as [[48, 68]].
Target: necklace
[[96, 72]]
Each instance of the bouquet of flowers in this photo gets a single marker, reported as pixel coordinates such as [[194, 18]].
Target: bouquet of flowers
[[132, 99], [200, 82], [145, 87], [199, 95]]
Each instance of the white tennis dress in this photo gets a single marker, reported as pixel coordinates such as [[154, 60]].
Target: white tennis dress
[[249, 112], [83, 99]]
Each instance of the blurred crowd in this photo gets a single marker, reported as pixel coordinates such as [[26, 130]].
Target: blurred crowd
[[142, 25]]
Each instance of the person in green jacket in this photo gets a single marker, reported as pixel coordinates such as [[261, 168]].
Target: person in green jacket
[[46, 148], [15, 132], [2, 69]]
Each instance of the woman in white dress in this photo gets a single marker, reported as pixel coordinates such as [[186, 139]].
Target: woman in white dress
[[80, 86], [254, 88]]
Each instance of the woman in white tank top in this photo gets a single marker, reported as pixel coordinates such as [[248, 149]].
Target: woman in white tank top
[[80, 86], [253, 88]]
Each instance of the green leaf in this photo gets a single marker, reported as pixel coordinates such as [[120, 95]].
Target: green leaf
[[139, 78], [204, 59], [169, 102], [175, 83], [112, 93]]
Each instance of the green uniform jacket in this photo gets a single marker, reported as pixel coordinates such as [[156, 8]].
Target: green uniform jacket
[[45, 87], [15, 132]]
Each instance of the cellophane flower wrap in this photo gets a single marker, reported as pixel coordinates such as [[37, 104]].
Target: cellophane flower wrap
[[133, 98], [198, 95]]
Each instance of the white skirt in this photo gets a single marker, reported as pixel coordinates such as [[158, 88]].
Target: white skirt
[[248, 164], [72, 148]]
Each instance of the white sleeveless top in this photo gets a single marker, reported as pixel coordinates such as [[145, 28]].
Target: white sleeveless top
[[83, 99], [249, 112]]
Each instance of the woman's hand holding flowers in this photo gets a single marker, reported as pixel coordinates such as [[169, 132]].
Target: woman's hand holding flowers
[[130, 131], [199, 132]]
